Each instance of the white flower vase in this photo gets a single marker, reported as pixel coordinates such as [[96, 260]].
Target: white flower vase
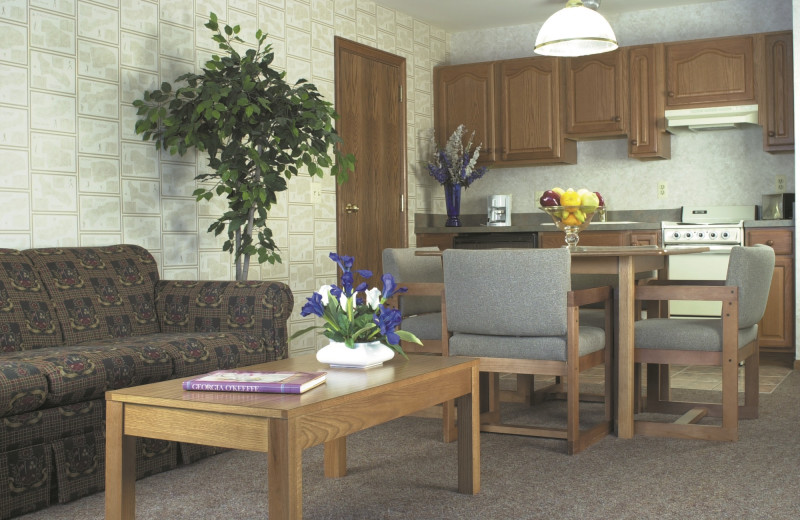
[[364, 355]]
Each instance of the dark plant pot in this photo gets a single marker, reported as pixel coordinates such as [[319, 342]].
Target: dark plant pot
[[452, 198]]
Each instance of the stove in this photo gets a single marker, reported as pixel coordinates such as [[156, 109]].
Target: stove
[[720, 228], [708, 225]]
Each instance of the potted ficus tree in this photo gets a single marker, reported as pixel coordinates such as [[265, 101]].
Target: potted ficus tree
[[257, 129]]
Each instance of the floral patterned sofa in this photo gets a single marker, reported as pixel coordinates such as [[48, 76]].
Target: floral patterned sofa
[[75, 322]]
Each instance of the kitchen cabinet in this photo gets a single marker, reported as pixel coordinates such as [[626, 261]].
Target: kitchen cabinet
[[777, 104], [596, 95], [441, 240], [713, 72], [514, 106], [647, 135], [529, 125], [465, 94], [776, 329], [645, 237]]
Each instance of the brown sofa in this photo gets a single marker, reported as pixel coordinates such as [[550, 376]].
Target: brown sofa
[[76, 322]]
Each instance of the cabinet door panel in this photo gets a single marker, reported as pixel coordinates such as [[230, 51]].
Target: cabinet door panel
[[779, 84], [648, 138], [710, 72], [465, 95], [530, 108], [596, 95], [551, 239], [776, 327]]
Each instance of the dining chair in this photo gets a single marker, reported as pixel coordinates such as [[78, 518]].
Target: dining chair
[[725, 342], [514, 310]]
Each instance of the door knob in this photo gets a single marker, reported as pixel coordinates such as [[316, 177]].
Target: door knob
[[351, 208]]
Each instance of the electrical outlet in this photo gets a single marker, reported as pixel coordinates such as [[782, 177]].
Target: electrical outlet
[[780, 183], [662, 189], [316, 192]]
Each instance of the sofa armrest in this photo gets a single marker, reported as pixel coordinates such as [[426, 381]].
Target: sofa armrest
[[257, 308]]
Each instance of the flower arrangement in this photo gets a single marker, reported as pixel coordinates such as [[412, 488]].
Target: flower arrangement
[[453, 165], [350, 319]]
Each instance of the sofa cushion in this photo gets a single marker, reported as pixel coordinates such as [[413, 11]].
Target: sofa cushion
[[100, 292], [27, 318]]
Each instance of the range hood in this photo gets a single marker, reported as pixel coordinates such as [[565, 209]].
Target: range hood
[[711, 118]]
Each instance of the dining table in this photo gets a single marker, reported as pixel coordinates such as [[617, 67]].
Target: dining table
[[625, 262]]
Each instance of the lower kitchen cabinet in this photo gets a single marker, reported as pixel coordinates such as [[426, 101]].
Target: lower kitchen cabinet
[[603, 238], [776, 329], [441, 240]]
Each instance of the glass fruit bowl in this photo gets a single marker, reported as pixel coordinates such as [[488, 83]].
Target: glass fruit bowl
[[571, 220]]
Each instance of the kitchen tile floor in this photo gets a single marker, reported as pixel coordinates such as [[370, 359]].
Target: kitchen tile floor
[[773, 369]]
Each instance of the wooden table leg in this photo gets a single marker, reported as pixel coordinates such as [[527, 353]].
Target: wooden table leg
[[120, 466], [624, 352], [335, 458], [284, 472], [469, 441]]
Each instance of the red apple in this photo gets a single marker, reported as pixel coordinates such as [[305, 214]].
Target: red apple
[[600, 198], [550, 198]]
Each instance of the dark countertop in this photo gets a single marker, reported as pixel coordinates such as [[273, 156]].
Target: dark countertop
[[768, 223]]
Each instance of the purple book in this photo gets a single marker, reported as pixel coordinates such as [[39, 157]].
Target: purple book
[[254, 381]]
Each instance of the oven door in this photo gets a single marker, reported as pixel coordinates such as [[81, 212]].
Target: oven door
[[711, 265]]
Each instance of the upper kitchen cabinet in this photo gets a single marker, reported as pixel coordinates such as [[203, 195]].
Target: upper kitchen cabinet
[[529, 115], [777, 103], [465, 95], [596, 96], [714, 72], [647, 135]]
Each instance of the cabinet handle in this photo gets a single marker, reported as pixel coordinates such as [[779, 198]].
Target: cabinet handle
[[770, 243], [634, 142], [617, 119], [771, 133], [670, 94]]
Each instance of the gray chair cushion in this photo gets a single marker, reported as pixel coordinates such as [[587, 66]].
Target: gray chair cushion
[[405, 266], [686, 334], [751, 269], [547, 348], [424, 326], [515, 292]]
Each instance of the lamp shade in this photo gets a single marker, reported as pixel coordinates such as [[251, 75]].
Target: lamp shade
[[575, 31]]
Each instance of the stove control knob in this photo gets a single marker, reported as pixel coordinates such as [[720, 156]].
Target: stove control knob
[[688, 234], [712, 235], [701, 235], [676, 234], [725, 235]]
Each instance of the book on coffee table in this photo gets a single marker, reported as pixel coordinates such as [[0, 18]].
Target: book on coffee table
[[255, 381]]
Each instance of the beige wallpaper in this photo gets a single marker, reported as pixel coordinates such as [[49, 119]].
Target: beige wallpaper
[[74, 172]]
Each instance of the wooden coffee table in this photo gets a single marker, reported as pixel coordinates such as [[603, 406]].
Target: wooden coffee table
[[283, 425]]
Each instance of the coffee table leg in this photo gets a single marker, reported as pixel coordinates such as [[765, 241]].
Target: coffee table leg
[[284, 472], [335, 458], [120, 466], [469, 441]]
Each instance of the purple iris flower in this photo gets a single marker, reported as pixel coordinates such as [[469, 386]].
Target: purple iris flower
[[344, 261], [313, 306], [390, 288], [387, 320], [347, 283]]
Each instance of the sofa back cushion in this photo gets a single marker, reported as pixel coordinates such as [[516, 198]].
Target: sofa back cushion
[[100, 292], [27, 318]]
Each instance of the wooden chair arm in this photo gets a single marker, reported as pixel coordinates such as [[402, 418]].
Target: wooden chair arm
[[581, 297], [724, 293], [686, 282]]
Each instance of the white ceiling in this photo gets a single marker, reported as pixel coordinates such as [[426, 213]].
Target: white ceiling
[[463, 15]]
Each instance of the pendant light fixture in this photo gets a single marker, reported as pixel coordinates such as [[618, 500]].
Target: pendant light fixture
[[576, 30]]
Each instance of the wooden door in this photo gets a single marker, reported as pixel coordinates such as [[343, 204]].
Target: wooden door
[[779, 96], [596, 95], [529, 115], [464, 94], [371, 209], [648, 138], [714, 72]]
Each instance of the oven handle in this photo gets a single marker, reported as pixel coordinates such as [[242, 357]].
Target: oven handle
[[725, 249]]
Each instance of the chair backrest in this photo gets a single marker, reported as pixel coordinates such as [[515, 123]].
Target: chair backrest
[[406, 266], [507, 292], [751, 268]]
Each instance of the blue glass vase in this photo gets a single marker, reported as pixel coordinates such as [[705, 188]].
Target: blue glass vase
[[452, 198]]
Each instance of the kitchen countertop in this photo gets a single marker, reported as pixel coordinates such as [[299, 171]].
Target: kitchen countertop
[[540, 222]]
